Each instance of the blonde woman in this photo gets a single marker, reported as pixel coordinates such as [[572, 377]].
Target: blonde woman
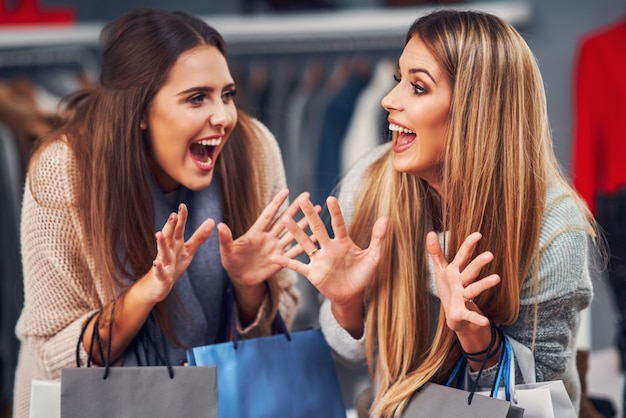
[[471, 169]]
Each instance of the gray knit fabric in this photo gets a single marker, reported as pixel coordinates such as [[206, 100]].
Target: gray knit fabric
[[565, 289]]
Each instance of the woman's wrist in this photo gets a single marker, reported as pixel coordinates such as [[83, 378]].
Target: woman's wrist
[[349, 315], [480, 348], [249, 300]]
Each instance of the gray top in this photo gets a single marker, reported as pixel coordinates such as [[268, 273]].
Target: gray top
[[564, 290]]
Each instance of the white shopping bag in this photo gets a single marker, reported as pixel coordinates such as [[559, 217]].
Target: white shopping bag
[[45, 399], [535, 400], [562, 406], [539, 399]]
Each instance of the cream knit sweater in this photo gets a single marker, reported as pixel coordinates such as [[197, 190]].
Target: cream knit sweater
[[61, 287]]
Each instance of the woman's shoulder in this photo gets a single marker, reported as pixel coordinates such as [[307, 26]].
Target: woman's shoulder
[[353, 179], [564, 210], [352, 183], [359, 168], [51, 172], [267, 139]]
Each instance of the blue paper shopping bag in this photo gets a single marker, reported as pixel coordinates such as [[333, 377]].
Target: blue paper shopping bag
[[286, 375]]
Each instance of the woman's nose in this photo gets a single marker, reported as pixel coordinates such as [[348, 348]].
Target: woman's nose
[[219, 116], [389, 102]]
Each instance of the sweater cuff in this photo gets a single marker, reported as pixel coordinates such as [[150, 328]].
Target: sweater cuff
[[348, 348], [260, 326]]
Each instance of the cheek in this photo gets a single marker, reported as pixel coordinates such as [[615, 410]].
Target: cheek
[[233, 116]]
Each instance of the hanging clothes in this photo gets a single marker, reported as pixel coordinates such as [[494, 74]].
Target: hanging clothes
[[334, 123], [599, 173], [296, 144], [600, 112], [368, 126]]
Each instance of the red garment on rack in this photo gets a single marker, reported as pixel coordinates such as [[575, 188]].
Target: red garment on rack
[[599, 160]]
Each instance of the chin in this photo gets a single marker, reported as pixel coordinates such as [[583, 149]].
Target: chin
[[403, 165], [199, 183]]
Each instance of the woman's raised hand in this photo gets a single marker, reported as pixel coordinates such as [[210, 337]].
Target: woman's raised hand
[[174, 254], [458, 283], [247, 259], [339, 269]]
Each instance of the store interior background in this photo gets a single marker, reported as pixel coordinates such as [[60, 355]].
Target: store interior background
[[552, 29]]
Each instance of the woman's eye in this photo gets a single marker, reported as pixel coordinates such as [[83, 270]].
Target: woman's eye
[[418, 89], [228, 95], [196, 99]]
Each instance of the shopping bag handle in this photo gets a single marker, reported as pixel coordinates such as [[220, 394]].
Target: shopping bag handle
[[95, 338], [278, 324], [82, 334], [505, 365]]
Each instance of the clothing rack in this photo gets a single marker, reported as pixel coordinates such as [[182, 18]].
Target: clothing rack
[[45, 56], [339, 30]]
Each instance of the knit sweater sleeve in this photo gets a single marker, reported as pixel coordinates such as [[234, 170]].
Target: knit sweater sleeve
[[58, 282], [349, 349], [271, 182], [565, 289]]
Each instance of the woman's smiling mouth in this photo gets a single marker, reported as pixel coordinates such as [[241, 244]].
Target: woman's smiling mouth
[[405, 137], [203, 153]]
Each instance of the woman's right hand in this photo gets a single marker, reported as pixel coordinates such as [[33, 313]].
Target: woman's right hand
[[174, 254], [133, 306], [339, 269]]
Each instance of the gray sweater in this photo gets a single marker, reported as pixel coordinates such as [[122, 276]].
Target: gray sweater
[[564, 290]]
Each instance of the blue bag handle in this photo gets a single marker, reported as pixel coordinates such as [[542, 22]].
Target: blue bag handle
[[504, 371]]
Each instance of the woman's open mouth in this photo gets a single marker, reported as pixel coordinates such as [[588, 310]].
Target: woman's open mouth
[[404, 139], [203, 153]]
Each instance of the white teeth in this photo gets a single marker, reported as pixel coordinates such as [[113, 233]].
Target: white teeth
[[398, 128], [210, 142], [206, 163]]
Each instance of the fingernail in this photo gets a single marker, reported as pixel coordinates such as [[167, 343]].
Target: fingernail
[[171, 218], [180, 207]]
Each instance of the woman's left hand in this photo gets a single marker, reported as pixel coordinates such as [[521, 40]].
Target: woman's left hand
[[458, 283], [247, 259]]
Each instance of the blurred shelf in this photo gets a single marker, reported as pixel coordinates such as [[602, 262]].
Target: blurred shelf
[[354, 29]]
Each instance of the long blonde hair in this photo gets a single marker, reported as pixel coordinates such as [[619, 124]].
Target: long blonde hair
[[498, 148]]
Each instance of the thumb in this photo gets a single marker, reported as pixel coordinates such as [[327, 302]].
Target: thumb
[[200, 236], [379, 231], [434, 249], [225, 237]]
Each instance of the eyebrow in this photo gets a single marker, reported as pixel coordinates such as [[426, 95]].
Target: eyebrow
[[422, 70], [205, 89]]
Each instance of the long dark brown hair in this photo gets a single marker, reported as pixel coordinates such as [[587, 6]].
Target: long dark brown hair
[[113, 189]]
